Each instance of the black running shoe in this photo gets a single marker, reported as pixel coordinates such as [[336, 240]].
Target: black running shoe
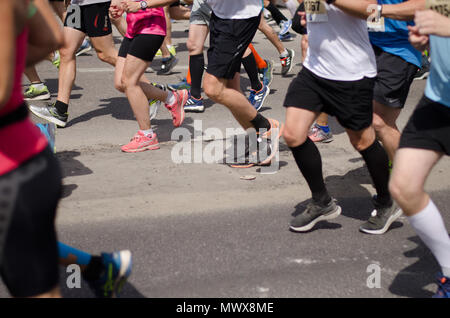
[[167, 65], [315, 213]]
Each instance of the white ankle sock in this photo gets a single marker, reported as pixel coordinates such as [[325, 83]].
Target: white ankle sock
[[147, 133], [38, 85], [284, 54], [431, 229], [170, 98]]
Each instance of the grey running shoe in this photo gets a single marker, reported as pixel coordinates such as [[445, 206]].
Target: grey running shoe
[[381, 219], [167, 65], [317, 134], [287, 62], [315, 213], [51, 114]]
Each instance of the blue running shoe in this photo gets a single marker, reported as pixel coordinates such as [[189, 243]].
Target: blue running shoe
[[194, 105], [180, 86], [443, 287], [285, 26], [257, 98], [266, 74], [116, 272]]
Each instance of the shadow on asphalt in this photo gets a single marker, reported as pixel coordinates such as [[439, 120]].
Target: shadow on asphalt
[[411, 280], [70, 166]]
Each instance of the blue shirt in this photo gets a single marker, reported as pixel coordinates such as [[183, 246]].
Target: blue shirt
[[438, 84], [395, 39]]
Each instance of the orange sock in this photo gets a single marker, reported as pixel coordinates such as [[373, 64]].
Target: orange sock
[[259, 60], [188, 76]]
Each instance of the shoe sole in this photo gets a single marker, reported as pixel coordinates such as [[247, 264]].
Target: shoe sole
[[84, 51], [126, 264], [325, 141], [422, 77], [264, 98], [386, 227], [40, 97], [271, 72], [194, 109], [183, 102], [152, 147], [51, 119], [325, 217]]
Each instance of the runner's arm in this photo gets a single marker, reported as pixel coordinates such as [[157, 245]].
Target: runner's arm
[[356, 8], [403, 11], [430, 22], [45, 34], [7, 53]]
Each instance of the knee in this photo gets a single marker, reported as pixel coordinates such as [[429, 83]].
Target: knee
[[403, 191], [378, 123], [363, 140], [107, 57], [293, 138], [193, 47], [119, 85]]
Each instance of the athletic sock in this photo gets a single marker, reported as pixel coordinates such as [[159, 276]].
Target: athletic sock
[[326, 129], [309, 161], [430, 227], [197, 67], [292, 6], [252, 70], [259, 60], [284, 54], [61, 107], [39, 85], [260, 122], [147, 133], [377, 162], [276, 13], [170, 98], [94, 269]]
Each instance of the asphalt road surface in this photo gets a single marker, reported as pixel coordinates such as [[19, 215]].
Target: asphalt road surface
[[198, 229]]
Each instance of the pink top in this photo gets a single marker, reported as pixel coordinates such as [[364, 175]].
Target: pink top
[[22, 140], [149, 21]]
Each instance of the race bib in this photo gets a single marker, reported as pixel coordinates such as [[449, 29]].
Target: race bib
[[316, 11], [440, 6]]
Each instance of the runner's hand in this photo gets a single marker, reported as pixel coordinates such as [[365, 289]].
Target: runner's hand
[[419, 41], [131, 6]]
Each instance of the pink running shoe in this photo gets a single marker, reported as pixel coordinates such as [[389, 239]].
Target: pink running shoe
[[177, 108], [140, 142]]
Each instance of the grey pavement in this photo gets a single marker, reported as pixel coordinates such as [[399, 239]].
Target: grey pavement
[[198, 229]]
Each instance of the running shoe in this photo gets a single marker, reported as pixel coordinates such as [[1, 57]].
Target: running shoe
[[381, 218], [286, 37], [35, 93], [167, 65], [141, 142], [314, 213], [154, 103], [56, 60], [177, 108], [266, 74], [194, 105], [287, 62], [84, 48], [51, 114], [317, 134], [257, 98], [117, 269], [443, 287], [171, 48], [284, 27], [179, 86], [422, 74]]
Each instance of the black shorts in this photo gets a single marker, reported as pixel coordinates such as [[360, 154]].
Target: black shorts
[[228, 41], [394, 79], [92, 19], [143, 46], [428, 128], [28, 245], [349, 101]]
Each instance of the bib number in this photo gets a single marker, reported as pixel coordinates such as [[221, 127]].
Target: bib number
[[316, 11], [440, 6]]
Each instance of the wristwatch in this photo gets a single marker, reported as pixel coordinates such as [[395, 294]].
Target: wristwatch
[[144, 5], [379, 12]]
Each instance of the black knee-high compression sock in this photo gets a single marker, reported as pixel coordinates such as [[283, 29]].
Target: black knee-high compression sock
[[276, 13], [197, 67], [309, 161], [377, 162], [260, 122], [251, 68]]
